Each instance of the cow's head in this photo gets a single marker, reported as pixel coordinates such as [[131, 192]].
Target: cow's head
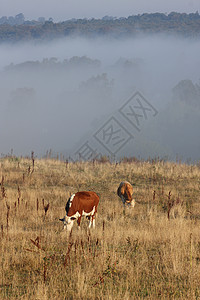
[[127, 199], [132, 203], [69, 221]]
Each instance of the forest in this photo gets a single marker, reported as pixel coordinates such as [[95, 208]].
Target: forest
[[15, 29]]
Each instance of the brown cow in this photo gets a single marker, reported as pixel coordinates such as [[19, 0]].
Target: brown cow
[[78, 205], [125, 192]]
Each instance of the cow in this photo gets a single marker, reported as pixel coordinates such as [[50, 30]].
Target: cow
[[125, 192], [78, 205]]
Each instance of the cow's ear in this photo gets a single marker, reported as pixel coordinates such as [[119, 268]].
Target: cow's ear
[[72, 218]]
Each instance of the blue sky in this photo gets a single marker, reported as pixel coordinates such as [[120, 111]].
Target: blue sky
[[65, 9]]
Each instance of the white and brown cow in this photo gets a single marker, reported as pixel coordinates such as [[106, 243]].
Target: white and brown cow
[[80, 204], [125, 192]]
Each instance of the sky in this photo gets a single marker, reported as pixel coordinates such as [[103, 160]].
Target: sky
[[61, 10]]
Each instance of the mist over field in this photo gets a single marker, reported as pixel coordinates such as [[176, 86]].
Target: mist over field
[[57, 95]]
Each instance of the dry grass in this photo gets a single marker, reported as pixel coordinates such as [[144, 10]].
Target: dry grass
[[152, 251]]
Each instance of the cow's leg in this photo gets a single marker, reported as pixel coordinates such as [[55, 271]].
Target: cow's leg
[[90, 223], [93, 221], [79, 222]]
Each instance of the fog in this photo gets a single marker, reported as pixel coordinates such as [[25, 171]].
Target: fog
[[58, 95]]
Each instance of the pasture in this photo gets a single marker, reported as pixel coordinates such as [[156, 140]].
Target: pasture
[[151, 251]]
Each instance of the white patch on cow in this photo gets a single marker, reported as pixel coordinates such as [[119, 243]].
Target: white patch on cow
[[69, 225], [71, 199], [76, 215], [90, 213]]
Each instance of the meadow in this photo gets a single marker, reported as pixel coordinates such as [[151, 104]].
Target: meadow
[[151, 251]]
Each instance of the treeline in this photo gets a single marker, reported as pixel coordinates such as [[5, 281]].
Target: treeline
[[54, 63], [187, 25]]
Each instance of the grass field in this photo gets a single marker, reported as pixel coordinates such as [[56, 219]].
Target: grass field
[[151, 251]]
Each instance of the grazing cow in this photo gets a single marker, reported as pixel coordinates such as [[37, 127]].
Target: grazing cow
[[125, 192], [78, 205]]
